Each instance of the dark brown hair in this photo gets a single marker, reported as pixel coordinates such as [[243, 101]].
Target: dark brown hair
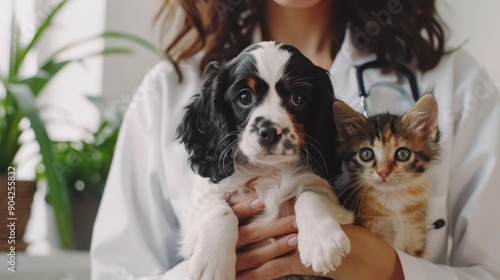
[[399, 30]]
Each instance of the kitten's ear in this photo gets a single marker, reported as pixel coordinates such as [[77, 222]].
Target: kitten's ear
[[423, 117], [347, 118]]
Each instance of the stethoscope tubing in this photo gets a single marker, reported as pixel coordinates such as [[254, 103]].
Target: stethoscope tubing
[[382, 63]]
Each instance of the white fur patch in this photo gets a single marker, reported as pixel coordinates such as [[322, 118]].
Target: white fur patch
[[270, 62]]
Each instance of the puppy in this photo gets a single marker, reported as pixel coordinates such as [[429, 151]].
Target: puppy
[[264, 121]]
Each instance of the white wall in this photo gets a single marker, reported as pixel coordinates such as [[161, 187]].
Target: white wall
[[5, 20], [123, 74], [476, 23]]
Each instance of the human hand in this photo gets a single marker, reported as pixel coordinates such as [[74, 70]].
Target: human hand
[[272, 259], [369, 254], [252, 235]]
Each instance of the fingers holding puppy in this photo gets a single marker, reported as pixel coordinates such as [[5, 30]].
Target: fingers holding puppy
[[256, 257], [259, 231], [254, 239], [245, 207]]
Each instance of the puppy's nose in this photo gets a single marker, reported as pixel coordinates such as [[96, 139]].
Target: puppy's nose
[[269, 135]]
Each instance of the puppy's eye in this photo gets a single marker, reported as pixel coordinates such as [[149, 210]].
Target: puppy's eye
[[298, 99], [403, 154], [245, 97], [366, 154]]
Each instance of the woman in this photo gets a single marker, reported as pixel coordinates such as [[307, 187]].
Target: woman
[[143, 206]]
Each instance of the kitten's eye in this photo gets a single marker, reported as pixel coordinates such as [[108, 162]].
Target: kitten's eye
[[403, 154], [298, 99], [366, 154], [245, 97]]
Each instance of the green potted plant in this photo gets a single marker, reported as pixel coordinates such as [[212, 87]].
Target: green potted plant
[[19, 102], [84, 166]]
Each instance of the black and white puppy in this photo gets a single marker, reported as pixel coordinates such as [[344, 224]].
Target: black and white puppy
[[263, 120]]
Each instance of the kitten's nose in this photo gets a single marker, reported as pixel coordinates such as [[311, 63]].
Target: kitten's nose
[[269, 135], [383, 173]]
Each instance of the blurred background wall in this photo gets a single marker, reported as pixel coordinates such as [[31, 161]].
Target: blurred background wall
[[122, 75], [475, 23]]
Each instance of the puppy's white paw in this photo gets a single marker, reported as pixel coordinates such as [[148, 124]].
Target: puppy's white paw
[[210, 266], [323, 246]]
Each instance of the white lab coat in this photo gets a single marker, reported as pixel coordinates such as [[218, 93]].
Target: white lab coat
[[137, 226]]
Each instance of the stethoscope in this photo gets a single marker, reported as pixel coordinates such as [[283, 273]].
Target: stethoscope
[[400, 69]]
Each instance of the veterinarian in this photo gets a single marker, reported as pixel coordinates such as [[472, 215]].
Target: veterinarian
[[143, 207]]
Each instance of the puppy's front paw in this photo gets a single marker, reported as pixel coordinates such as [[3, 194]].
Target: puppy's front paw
[[323, 246], [209, 266]]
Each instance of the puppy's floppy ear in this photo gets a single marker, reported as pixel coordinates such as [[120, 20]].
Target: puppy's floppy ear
[[204, 128], [323, 130]]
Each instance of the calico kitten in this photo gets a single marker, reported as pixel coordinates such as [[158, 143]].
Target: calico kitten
[[384, 162]]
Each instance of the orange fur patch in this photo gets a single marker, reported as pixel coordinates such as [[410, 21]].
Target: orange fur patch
[[251, 83]]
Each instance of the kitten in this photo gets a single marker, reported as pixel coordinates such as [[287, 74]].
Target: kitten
[[384, 162]]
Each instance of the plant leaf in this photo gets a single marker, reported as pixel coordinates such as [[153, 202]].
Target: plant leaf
[[45, 74], [110, 51], [108, 34], [132, 38], [41, 30], [50, 69], [9, 129], [14, 47], [9, 144], [58, 191]]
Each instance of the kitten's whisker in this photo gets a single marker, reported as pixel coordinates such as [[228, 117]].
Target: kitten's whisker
[[355, 190]]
